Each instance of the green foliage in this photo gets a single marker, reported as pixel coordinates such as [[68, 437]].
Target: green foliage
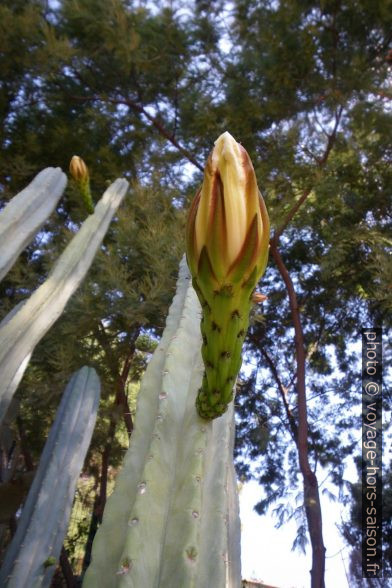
[[352, 528]]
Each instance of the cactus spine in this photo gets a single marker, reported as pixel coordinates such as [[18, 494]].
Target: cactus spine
[[36, 545], [173, 519]]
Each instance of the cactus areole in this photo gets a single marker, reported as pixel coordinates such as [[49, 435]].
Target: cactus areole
[[227, 252]]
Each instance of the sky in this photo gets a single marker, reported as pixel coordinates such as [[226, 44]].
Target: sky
[[266, 551]]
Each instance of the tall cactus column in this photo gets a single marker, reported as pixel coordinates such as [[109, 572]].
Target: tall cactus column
[[23, 328], [36, 545], [173, 519]]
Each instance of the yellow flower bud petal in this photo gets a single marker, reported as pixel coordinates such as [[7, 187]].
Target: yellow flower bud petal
[[228, 218], [79, 172], [78, 169]]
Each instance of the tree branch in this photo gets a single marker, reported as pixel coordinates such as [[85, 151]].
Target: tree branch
[[66, 569], [153, 120], [121, 378], [121, 395], [283, 393], [300, 354], [275, 237], [320, 165], [29, 464], [159, 126]]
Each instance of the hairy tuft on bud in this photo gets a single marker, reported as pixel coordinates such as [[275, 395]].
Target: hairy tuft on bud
[[227, 250]]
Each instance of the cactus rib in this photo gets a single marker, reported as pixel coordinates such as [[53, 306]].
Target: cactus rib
[[44, 520], [167, 522], [20, 334]]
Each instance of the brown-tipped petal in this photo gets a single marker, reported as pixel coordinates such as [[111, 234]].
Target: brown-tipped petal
[[251, 191], [205, 272], [247, 258], [216, 240], [191, 245], [203, 211], [265, 235]]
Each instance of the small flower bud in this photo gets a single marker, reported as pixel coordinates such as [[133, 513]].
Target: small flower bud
[[79, 172], [78, 169]]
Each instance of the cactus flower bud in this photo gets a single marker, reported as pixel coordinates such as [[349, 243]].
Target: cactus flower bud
[[227, 251], [78, 169], [79, 172]]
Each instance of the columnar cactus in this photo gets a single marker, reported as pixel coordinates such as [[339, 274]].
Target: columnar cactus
[[172, 520], [36, 545], [27, 324], [227, 251], [25, 214]]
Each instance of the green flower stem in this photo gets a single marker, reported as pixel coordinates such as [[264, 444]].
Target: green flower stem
[[224, 324]]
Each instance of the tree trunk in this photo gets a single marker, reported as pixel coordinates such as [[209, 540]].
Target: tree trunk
[[66, 569], [311, 492]]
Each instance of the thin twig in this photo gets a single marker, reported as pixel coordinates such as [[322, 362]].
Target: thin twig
[[320, 164], [283, 393]]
